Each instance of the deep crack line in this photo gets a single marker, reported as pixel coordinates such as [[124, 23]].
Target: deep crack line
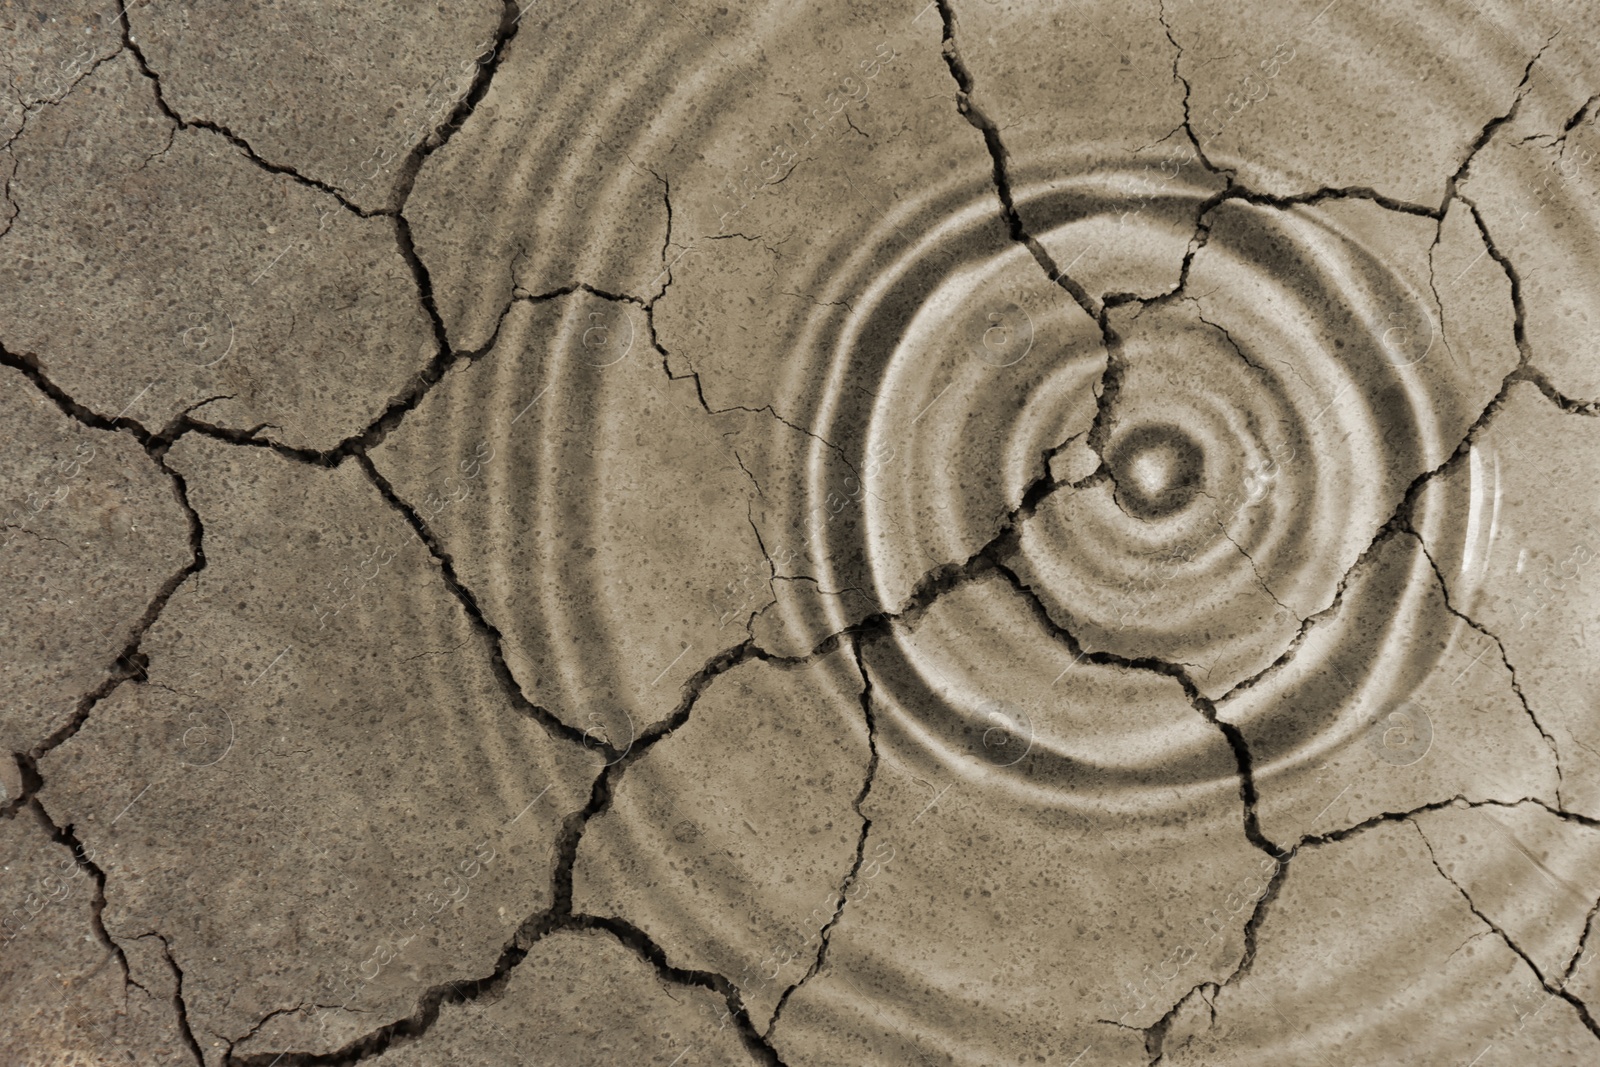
[[645, 947], [131, 45], [178, 1004], [1583, 943], [130, 663], [1539, 380], [1578, 1006], [1156, 1033], [29, 365], [981, 122], [825, 935], [1243, 761], [66, 837], [554, 725], [1111, 376], [439, 136]]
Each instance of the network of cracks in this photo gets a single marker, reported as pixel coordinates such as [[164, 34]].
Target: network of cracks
[[1016, 578]]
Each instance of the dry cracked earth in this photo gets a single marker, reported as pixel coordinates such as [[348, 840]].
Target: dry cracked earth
[[834, 533]]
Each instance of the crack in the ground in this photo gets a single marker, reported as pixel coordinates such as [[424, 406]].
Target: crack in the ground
[[130, 44], [946, 577], [559, 916], [772, 568], [1177, 75], [130, 662], [975, 116], [1313, 197], [1583, 943], [178, 1005], [1505, 659], [1486, 134], [768, 409], [1539, 380], [374, 433], [67, 838], [1177, 672], [30, 366], [275, 1013], [825, 934], [406, 179], [1580, 116], [510, 21], [1260, 580], [666, 241], [1433, 287], [29, 109], [1577, 1005], [1156, 1033], [1400, 519], [1111, 376], [1237, 191], [933, 585], [1227, 335], [444, 356], [649, 307], [643, 946], [509, 685], [38, 105], [1459, 801]]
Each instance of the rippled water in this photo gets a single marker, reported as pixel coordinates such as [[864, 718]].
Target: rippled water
[[1130, 553]]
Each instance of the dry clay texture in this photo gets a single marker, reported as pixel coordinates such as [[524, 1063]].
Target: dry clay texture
[[828, 533]]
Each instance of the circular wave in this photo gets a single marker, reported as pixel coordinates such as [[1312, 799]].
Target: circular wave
[[1068, 519], [1268, 419]]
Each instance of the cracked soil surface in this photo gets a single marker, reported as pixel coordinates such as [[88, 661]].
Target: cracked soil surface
[[988, 532]]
